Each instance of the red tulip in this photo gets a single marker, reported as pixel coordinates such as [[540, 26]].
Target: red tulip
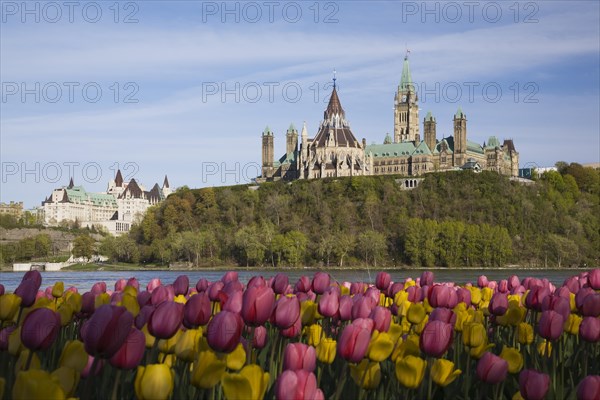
[[224, 331], [329, 303], [550, 325], [382, 317], [491, 368], [104, 333], [197, 310], [257, 305], [299, 356], [589, 388], [297, 385], [589, 330], [181, 285], [320, 282], [287, 312], [131, 352], [533, 385], [436, 338], [383, 280], [280, 283], [166, 320], [40, 329], [202, 285], [498, 304], [355, 338]]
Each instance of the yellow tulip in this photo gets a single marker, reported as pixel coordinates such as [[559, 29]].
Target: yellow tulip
[[400, 297], [514, 359], [101, 299], [167, 346], [326, 350], [486, 294], [66, 313], [395, 332], [67, 378], [420, 326], [9, 305], [475, 295], [406, 326], [366, 375], [517, 396], [74, 300], [545, 347], [315, 331], [74, 356], [474, 334], [130, 290], [153, 381], [308, 310], [443, 372], [416, 313], [462, 317], [344, 290], [513, 316], [410, 371], [380, 346], [572, 302], [186, 347], [525, 333], [36, 384], [479, 351], [410, 346], [131, 304], [572, 324], [237, 358], [21, 363], [478, 316], [208, 370], [149, 338], [250, 383], [14, 342], [58, 289]]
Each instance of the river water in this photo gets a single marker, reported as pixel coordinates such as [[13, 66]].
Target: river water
[[83, 280]]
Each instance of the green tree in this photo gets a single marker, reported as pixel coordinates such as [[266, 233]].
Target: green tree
[[372, 245], [83, 246], [43, 244], [343, 245], [249, 243]]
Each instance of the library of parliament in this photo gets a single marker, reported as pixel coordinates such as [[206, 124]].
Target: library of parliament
[[335, 152]]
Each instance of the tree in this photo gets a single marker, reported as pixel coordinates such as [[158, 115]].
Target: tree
[[43, 243], [343, 245], [248, 241], [372, 245], [295, 247], [83, 246]]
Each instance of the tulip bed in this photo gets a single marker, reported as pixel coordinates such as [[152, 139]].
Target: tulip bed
[[312, 339]]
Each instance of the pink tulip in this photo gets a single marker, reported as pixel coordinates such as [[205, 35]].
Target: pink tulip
[[442, 296], [557, 303], [498, 304], [373, 293], [280, 283], [589, 388], [257, 305], [329, 303], [181, 285], [153, 284], [357, 288], [362, 306], [214, 289], [166, 320], [345, 308], [354, 341], [383, 280], [533, 385], [256, 281], [297, 385], [513, 281], [120, 285], [395, 288], [581, 295], [286, 312], [427, 278], [443, 314], [299, 356], [550, 325], [161, 294], [131, 352], [591, 305], [116, 297], [463, 296], [382, 317], [104, 333], [303, 284], [589, 330], [491, 368], [259, 340], [231, 301], [202, 285], [436, 338], [224, 331], [197, 310], [320, 282], [87, 371], [40, 329], [482, 281], [133, 282], [594, 279], [535, 297], [98, 288], [563, 291], [503, 286]]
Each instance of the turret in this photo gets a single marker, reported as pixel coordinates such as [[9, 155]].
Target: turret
[[406, 109], [460, 138], [291, 139], [267, 153], [429, 128]]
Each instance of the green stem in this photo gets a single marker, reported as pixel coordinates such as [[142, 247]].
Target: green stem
[[116, 385], [29, 358]]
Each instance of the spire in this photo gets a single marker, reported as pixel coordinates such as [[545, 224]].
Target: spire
[[267, 131], [119, 179], [429, 117], [388, 139], [304, 130], [334, 78], [406, 80], [71, 184], [166, 182], [334, 107], [292, 128], [459, 113]]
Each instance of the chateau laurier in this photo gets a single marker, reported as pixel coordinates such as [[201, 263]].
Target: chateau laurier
[[335, 151]]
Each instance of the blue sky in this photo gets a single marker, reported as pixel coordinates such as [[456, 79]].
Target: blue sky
[[187, 87]]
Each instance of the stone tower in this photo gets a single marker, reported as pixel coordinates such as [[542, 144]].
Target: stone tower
[[291, 139], [267, 153], [429, 127], [406, 108], [460, 138]]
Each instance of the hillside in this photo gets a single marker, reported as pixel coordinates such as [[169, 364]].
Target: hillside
[[458, 219]]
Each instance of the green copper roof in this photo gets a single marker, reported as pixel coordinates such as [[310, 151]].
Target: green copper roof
[[404, 149], [474, 147], [291, 128], [77, 194], [406, 80], [493, 142], [422, 148], [459, 113], [267, 131], [388, 139], [429, 117]]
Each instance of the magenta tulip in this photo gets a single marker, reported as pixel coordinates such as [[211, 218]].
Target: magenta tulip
[[443, 314], [354, 341], [559, 304], [153, 284], [591, 305], [259, 340], [229, 276], [98, 288], [362, 306], [357, 288], [256, 281], [463, 295], [27, 291], [589, 330], [4, 334], [296, 385], [436, 338], [161, 294], [513, 281], [382, 317], [345, 308], [214, 289], [427, 278], [329, 303], [2, 290], [166, 320], [143, 316], [134, 283], [293, 331], [87, 371], [533, 385], [320, 282], [589, 388], [280, 283], [498, 304], [224, 331], [482, 281], [287, 312], [535, 297], [202, 285], [395, 288], [257, 305], [104, 333], [491, 368], [581, 295], [383, 280], [120, 285], [181, 285], [131, 352], [442, 296], [303, 284], [40, 329], [550, 325], [88, 303], [197, 310], [299, 356]]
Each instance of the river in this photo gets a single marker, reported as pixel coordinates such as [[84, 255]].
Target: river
[[83, 280]]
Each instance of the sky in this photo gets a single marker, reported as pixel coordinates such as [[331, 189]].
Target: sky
[[185, 88]]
